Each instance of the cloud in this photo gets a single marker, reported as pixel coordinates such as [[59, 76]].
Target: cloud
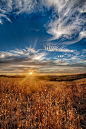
[[63, 69], [84, 51], [68, 16], [18, 52], [67, 25], [4, 16], [21, 60], [22, 54], [15, 7], [53, 48], [24, 60], [70, 20], [82, 35]]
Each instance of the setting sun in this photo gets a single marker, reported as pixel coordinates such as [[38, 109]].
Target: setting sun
[[30, 73]]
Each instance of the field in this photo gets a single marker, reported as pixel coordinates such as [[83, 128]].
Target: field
[[43, 102]]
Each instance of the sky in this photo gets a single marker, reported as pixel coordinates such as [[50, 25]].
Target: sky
[[42, 36]]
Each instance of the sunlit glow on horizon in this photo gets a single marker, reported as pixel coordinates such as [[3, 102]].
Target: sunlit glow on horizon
[[30, 73]]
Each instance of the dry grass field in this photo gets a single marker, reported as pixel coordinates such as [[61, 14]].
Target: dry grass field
[[30, 103]]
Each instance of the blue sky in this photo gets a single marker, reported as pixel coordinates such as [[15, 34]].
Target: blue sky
[[42, 36]]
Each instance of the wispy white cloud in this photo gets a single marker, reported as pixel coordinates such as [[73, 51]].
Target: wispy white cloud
[[27, 56], [53, 48], [75, 60], [70, 23], [16, 6], [39, 57], [82, 35], [4, 16], [4, 54]]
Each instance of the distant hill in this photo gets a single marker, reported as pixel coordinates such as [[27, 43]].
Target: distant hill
[[62, 77], [52, 77], [13, 76]]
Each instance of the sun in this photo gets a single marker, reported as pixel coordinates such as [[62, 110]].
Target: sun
[[30, 73]]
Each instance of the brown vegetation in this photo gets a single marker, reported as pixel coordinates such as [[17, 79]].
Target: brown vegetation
[[29, 103], [63, 77]]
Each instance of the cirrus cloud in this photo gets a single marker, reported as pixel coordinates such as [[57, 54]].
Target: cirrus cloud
[[68, 17]]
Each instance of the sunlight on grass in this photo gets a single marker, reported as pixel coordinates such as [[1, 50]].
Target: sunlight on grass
[[42, 104]]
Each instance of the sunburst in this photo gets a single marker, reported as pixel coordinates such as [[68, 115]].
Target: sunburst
[[30, 73]]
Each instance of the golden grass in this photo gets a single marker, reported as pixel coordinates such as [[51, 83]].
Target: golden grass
[[34, 104]]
